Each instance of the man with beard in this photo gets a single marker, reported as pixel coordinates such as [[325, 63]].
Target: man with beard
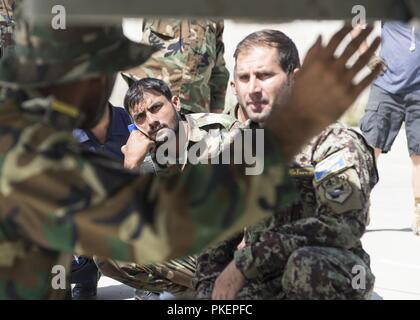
[[56, 200], [267, 63], [155, 111], [311, 249]]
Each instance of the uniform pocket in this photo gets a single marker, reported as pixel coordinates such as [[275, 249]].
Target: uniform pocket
[[369, 119], [373, 106]]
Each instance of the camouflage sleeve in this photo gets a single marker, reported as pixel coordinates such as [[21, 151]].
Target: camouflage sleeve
[[212, 261], [344, 176], [220, 74], [65, 201], [210, 203]]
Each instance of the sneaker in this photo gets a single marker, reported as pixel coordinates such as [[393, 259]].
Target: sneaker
[[145, 295], [416, 222]]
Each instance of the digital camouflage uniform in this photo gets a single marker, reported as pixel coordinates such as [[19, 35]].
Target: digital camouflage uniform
[[56, 200], [309, 250], [190, 59]]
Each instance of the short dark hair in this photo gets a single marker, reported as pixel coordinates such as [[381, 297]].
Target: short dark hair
[[135, 93], [288, 56]]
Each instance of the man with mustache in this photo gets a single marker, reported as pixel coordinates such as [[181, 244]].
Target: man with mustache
[[266, 66], [56, 200], [312, 249], [155, 111]]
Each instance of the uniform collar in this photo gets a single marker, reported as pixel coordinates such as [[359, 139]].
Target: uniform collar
[[195, 134]]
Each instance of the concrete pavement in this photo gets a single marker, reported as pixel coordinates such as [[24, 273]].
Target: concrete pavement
[[394, 250]]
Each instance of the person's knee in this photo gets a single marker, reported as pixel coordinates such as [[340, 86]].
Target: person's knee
[[314, 273], [299, 277]]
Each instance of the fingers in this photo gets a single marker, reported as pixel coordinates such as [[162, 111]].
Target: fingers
[[153, 147], [365, 57], [383, 70], [336, 39], [362, 85], [354, 45], [141, 136], [356, 30], [139, 131], [145, 134], [222, 295], [315, 49]]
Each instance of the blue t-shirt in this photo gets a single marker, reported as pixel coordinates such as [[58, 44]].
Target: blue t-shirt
[[400, 49], [117, 135]]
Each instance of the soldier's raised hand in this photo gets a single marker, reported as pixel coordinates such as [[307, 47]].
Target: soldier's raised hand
[[324, 89]]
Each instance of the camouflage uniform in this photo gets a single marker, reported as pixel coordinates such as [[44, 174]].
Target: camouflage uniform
[[232, 111], [56, 200], [6, 7], [190, 59], [309, 250], [174, 276], [6, 27]]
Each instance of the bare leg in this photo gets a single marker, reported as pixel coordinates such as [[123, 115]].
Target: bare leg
[[377, 153], [415, 159]]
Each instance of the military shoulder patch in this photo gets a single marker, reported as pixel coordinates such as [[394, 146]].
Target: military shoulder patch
[[333, 164]]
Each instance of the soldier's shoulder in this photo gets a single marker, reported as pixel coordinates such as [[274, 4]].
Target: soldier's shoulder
[[341, 139], [204, 120], [340, 147], [340, 135]]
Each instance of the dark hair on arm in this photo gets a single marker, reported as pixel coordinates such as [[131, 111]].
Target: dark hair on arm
[[135, 93]]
